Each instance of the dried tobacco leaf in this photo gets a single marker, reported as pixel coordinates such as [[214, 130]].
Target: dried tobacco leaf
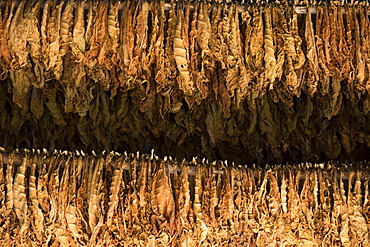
[[201, 229], [53, 106], [94, 208], [127, 38], [5, 55], [19, 191], [37, 103], [351, 43], [270, 60], [114, 31], [257, 41], [97, 35], [9, 200], [63, 234], [140, 58], [46, 16], [71, 215], [36, 212], [78, 45], [17, 38], [22, 74], [322, 37], [181, 57], [101, 42], [312, 56], [53, 36], [199, 46], [66, 24], [115, 189], [2, 184], [162, 198], [360, 63], [294, 54], [364, 20]]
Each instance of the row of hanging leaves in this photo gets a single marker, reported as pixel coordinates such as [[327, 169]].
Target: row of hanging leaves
[[68, 199], [202, 49], [107, 74]]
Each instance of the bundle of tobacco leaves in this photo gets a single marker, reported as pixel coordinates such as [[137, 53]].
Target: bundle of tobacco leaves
[[250, 83], [73, 199]]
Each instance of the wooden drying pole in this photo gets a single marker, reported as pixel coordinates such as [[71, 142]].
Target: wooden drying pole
[[344, 170]]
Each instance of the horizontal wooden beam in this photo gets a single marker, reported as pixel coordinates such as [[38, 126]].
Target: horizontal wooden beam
[[344, 169]]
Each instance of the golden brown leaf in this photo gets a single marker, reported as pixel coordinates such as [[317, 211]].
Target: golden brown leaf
[[19, 191], [162, 198], [181, 57]]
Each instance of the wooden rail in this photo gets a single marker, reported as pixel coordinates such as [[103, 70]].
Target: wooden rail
[[343, 168]]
